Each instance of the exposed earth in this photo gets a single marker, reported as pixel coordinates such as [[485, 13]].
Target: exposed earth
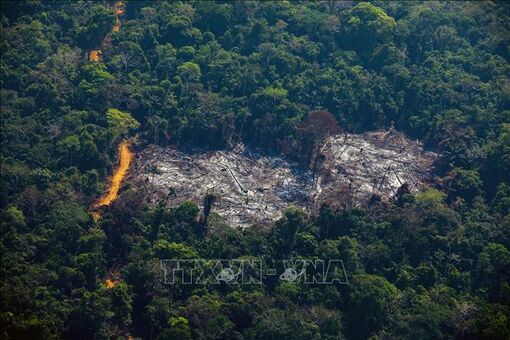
[[250, 187]]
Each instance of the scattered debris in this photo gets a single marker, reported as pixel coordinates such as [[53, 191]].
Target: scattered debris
[[357, 168], [253, 188]]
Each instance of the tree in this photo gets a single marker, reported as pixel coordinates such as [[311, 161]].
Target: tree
[[99, 22], [496, 168], [172, 250], [204, 75], [121, 305], [90, 258], [492, 269], [94, 77], [277, 323], [189, 72], [283, 235], [178, 328], [120, 123], [209, 199], [206, 318], [214, 17], [15, 217], [69, 147], [370, 303], [314, 131], [158, 124], [464, 184], [369, 25], [132, 56]]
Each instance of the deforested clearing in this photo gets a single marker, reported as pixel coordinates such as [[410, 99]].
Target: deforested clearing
[[353, 169]]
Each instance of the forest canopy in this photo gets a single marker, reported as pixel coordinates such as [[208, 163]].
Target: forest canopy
[[78, 78]]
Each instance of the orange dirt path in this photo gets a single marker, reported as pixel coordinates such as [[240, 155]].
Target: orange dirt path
[[119, 9], [125, 159]]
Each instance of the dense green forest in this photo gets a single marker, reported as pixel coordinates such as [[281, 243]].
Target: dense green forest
[[430, 265]]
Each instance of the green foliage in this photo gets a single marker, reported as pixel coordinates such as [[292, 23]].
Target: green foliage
[[15, 217], [492, 272], [370, 302], [278, 76], [94, 79], [99, 21], [430, 198], [178, 328], [166, 250], [368, 25], [120, 123], [465, 184]]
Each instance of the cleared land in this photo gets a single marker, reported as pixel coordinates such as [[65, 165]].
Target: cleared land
[[251, 188]]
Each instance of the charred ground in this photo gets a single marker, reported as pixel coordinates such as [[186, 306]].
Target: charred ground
[[250, 187]]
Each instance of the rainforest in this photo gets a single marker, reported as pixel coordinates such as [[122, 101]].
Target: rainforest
[[138, 137]]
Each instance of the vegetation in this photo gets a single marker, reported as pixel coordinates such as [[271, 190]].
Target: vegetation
[[268, 74]]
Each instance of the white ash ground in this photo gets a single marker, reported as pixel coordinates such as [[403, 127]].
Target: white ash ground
[[254, 188]]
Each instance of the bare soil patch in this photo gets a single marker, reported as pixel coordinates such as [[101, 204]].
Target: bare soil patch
[[353, 169]]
